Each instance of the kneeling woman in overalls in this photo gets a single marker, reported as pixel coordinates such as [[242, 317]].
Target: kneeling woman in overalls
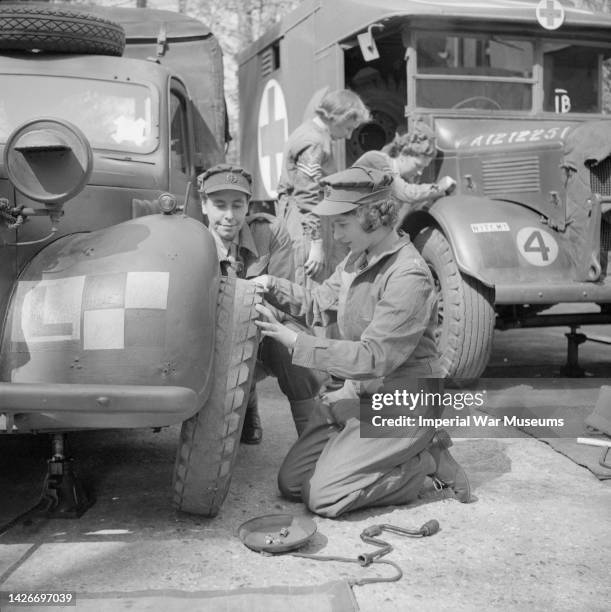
[[384, 299]]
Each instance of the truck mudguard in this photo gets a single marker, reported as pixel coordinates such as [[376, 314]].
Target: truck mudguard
[[499, 242], [120, 305]]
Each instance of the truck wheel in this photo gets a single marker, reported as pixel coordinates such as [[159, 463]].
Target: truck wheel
[[209, 440], [466, 311], [58, 29]]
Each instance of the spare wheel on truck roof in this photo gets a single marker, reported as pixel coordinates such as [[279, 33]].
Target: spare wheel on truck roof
[[28, 27]]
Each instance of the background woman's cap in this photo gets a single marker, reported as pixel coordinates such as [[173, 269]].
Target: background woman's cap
[[224, 176], [346, 190]]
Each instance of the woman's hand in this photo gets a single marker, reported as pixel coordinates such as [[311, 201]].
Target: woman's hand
[[447, 184], [271, 327], [316, 259], [262, 282]]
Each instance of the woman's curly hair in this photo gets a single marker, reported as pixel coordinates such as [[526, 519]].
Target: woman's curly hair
[[377, 214], [341, 105], [419, 141]]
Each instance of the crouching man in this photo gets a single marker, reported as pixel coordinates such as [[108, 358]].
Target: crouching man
[[248, 246]]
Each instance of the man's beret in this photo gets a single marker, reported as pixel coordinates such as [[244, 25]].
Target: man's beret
[[224, 176]]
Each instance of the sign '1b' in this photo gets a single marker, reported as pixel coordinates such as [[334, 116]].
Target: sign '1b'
[[562, 101]]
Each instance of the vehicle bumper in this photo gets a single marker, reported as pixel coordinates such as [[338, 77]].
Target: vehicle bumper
[[552, 292], [26, 407]]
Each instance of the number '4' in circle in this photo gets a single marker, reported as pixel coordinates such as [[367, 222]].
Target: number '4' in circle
[[536, 244]]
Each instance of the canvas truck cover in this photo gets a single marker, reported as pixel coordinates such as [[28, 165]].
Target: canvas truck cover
[[187, 47]]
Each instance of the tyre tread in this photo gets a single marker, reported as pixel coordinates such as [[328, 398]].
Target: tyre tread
[[209, 440], [469, 315], [60, 30]]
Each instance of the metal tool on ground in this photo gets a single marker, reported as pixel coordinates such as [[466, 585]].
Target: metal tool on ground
[[279, 533], [368, 535], [276, 533]]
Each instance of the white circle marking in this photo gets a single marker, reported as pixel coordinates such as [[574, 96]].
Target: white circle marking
[[537, 246], [272, 133]]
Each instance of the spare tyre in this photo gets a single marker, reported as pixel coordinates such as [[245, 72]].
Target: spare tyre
[[61, 30]]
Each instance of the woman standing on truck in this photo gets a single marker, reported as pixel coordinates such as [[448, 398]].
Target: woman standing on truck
[[384, 297], [405, 158], [308, 157]]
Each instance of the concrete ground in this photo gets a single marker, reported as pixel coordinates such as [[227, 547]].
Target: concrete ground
[[537, 538]]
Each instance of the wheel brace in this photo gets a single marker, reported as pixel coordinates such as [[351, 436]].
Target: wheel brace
[[369, 536]]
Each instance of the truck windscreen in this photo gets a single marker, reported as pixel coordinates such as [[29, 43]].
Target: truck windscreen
[[495, 72], [112, 115], [491, 73]]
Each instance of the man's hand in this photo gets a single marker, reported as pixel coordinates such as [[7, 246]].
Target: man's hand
[[316, 259], [271, 327]]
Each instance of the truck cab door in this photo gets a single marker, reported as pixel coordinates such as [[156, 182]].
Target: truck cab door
[[182, 149]]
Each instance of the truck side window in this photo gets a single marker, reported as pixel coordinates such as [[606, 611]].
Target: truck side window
[[178, 134], [572, 77]]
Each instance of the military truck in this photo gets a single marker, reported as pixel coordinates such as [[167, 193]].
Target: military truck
[[112, 311], [517, 93]]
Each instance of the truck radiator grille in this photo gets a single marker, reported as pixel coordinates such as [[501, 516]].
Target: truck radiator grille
[[600, 182], [600, 177], [511, 175]]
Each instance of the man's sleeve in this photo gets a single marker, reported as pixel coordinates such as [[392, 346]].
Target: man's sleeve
[[281, 261]]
